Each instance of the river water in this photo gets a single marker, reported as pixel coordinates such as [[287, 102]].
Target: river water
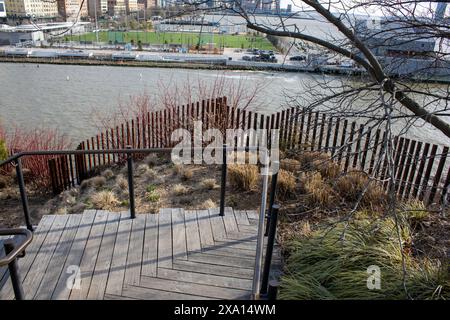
[[66, 97]]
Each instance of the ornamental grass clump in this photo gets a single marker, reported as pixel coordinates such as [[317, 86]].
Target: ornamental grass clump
[[243, 176], [333, 264]]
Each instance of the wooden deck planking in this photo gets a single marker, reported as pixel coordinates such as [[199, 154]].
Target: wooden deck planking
[[104, 260], [192, 232], [6, 292], [217, 225], [165, 239], [207, 279], [150, 250], [90, 256], [193, 288], [134, 258], [119, 259], [62, 290], [55, 267], [230, 220], [176, 254], [241, 218], [37, 270], [214, 269], [179, 234], [204, 226]]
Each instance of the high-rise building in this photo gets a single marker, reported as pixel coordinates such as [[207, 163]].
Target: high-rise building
[[2, 9], [32, 8], [70, 10], [117, 7], [131, 6], [100, 5]]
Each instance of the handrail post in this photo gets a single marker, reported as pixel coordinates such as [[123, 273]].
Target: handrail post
[[130, 183], [223, 182], [273, 191], [269, 249], [23, 194], [14, 273], [256, 285], [272, 292]]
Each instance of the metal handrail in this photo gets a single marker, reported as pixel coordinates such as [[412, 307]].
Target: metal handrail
[[13, 252], [6, 260], [16, 158]]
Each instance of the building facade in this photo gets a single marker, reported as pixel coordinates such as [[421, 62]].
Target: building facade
[[70, 10], [100, 5], [31, 8], [2, 9]]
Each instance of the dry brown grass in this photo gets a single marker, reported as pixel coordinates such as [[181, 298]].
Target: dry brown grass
[[209, 184], [121, 182], [290, 165], [184, 172], [95, 182], [319, 192], [243, 177], [208, 204], [307, 158], [285, 184], [354, 183], [327, 168], [180, 190], [108, 174], [105, 200]]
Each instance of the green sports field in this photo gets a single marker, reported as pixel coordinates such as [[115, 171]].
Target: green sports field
[[191, 39]]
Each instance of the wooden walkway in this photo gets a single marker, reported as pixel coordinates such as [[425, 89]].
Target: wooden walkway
[[177, 254]]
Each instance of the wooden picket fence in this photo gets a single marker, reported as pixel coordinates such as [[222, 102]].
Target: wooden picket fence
[[419, 166]]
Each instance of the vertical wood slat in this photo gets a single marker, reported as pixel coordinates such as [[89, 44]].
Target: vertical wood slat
[[302, 121], [444, 193], [349, 147], [358, 146], [99, 156], [328, 136], [308, 128], [138, 133], [282, 127], [53, 175], [374, 151], [407, 166], [437, 176], [336, 133], [321, 131], [144, 129], [382, 161], [149, 128], [107, 146], [365, 150], [413, 170], [420, 170], [153, 130], [103, 146], [342, 144], [400, 164], [398, 146], [88, 155], [295, 129], [313, 139], [426, 178]]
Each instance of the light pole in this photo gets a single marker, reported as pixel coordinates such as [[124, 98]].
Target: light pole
[[96, 22]]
